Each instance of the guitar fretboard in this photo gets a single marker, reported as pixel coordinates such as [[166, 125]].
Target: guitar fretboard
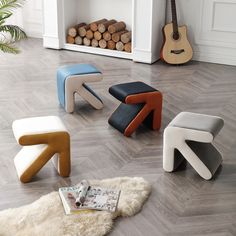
[[174, 19]]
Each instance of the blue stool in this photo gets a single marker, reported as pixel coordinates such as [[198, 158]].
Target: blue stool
[[71, 79]]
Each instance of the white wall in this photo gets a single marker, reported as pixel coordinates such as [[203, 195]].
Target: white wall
[[211, 28], [110, 9], [29, 18]]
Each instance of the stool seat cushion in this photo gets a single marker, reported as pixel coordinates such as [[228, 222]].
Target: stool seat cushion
[[72, 70], [121, 91], [201, 122], [37, 125]]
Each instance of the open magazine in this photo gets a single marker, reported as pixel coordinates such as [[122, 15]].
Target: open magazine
[[84, 196]]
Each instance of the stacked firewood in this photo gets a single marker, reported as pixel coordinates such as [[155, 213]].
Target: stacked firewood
[[103, 33]]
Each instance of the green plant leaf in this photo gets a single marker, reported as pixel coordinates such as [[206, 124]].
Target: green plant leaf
[[15, 31], [8, 48], [4, 16], [8, 5]]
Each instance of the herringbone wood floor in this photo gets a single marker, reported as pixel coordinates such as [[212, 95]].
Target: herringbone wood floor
[[181, 203]]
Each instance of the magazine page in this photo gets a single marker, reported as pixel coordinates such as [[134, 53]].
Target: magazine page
[[68, 196], [101, 199]]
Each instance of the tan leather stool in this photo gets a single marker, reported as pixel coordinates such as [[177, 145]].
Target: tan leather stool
[[43, 138]]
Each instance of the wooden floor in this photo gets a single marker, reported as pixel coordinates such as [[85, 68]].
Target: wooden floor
[[181, 203]]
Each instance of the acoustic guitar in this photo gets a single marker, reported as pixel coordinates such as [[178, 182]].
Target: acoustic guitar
[[176, 47]]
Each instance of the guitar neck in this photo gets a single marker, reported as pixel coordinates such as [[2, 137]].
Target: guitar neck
[[174, 17]]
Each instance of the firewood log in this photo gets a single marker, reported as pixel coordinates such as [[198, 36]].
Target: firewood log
[[89, 34], [106, 36], [94, 25], [102, 27], [116, 36], [94, 43], [73, 31], [70, 39], [125, 38], [102, 43], [86, 41], [116, 27], [78, 40], [128, 47], [97, 35], [119, 46], [82, 30], [111, 45]]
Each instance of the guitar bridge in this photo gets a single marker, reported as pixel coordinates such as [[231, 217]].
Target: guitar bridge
[[177, 51]]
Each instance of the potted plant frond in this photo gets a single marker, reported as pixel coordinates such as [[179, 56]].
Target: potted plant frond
[[9, 34]]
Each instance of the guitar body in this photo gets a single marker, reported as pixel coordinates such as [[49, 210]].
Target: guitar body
[[176, 51]]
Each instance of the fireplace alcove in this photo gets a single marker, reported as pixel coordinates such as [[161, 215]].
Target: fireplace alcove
[[145, 18]]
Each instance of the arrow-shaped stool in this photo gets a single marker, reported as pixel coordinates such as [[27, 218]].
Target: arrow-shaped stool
[[140, 104], [190, 136], [43, 138], [72, 79]]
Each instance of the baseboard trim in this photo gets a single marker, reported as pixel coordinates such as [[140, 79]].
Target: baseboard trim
[[217, 58], [51, 42], [140, 55]]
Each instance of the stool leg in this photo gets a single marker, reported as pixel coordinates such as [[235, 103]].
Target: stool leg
[[69, 100], [134, 124], [61, 162], [33, 165], [157, 113], [87, 96]]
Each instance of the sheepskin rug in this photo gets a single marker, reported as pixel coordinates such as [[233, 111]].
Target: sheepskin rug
[[46, 215]]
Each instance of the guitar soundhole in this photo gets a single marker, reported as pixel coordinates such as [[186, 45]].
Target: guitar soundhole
[[177, 51]]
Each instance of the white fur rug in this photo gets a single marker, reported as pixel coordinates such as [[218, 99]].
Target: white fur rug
[[46, 215]]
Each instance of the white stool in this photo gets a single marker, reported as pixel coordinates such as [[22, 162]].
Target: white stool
[[42, 138], [191, 134]]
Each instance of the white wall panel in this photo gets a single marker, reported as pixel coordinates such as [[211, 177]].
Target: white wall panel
[[29, 17], [224, 16], [32, 18]]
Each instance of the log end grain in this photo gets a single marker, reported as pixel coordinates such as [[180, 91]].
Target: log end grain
[[72, 32], [82, 30], [107, 36], [94, 43], [86, 42], [111, 45], [119, 46], [102, 43], [126, 37], [78, 40], [128, 47], [97, 35], [70, 39], [89, 34]]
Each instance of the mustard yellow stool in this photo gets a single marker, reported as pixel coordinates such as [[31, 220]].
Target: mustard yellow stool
[[43, 138]]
